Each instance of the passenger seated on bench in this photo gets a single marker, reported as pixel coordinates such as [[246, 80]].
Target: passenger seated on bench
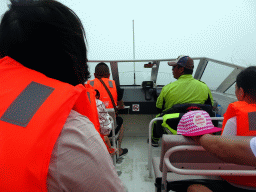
[[48, 141], [102, 72], [185, 90], [238, 119], [240, 116], [239, 150], [105, 122]]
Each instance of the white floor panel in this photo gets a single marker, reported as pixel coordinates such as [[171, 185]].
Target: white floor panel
[[134, 165]]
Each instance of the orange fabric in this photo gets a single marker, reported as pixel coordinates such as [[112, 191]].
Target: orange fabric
[[93, 118], [26, 151], [240, 109], [104, 97]]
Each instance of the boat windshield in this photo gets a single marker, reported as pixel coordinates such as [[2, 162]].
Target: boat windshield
[[219, 76]]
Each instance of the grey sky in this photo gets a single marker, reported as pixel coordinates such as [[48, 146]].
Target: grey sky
[[224, 30], [221, 29]]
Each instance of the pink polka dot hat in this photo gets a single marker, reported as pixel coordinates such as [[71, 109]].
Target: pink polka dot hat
[[196, 123]]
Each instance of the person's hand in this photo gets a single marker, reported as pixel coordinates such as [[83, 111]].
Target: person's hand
[[120, 105], [196, 138]]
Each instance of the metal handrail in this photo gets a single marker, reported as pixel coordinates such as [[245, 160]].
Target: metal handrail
[[170, 59], [114, 139], [168, 165], [150, 146]]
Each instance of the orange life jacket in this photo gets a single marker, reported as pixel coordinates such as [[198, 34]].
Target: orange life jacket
[[246, 126], [91, 95], [104, 96], [33, 110]]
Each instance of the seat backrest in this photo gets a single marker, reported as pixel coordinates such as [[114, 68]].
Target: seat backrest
[[184, 108], [112, 113], [204, 165], [169, 141]]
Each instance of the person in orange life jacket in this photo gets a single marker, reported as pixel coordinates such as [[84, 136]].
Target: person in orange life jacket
[[239, 121], [48, 135], [105, 122], [102, 72]]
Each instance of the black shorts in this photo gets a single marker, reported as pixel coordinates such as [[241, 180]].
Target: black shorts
[[119, 122], [224, 186], [214, 185]]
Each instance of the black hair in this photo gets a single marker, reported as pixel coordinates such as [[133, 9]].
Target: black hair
[[246, 79], [97, 94], [101, 70], [46, 36], [186, 71]]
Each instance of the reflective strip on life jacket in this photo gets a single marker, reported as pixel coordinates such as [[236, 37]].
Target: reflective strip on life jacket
[[28, 102], [110, 83], [165, 124], [92, 83], [252, 121]]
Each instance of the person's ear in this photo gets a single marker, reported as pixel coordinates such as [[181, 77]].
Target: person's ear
[[181, 70], [240, 94]]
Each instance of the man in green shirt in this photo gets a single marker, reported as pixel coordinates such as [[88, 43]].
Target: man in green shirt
[[185, 90]]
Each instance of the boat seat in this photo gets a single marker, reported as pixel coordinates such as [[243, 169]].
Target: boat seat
[[114, 136], [190, 161], [174, 177], [180, 159], [165, 145], [112, 113]]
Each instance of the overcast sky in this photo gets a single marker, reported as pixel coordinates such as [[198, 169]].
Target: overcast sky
[[221, 29]]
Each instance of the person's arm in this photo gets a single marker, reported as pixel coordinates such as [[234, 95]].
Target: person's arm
[[160, 102], [209, 100], [230, 127], [120, 102], [120, 94], [231, 149], [120, 105], [210, 96]]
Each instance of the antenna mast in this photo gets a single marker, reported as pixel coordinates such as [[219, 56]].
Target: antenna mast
[[133, 51]]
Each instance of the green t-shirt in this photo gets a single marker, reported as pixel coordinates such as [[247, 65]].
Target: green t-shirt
[[185, 90]]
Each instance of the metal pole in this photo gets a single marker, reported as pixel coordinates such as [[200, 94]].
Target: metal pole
[[149, 145], [133, 51]]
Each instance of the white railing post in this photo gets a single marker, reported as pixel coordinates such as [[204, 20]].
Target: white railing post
[[150, 146]]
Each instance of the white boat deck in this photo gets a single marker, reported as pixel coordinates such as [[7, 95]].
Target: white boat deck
[[134, 165]]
